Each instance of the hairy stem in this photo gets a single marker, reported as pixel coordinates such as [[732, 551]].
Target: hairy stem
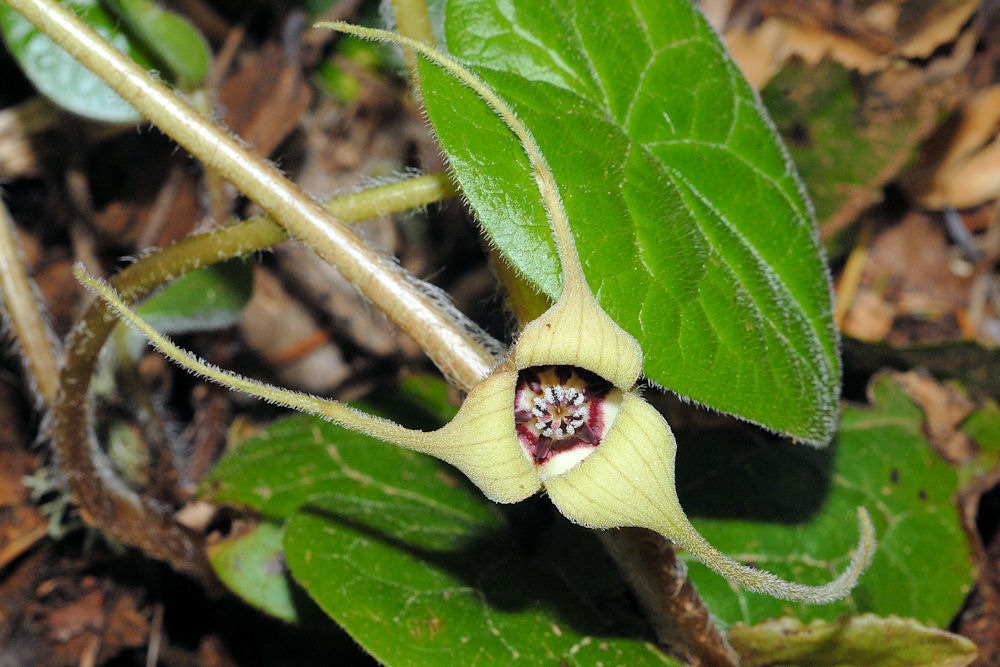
[[102, 499], [447, 342], [413, 21], [675, 610], [569, 260], [17, 292]]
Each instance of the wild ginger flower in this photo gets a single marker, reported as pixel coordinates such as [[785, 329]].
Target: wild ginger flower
[[560, 412]]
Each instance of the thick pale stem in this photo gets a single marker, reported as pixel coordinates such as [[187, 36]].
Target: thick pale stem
[[572, 271], [37, 344], [449, 343]]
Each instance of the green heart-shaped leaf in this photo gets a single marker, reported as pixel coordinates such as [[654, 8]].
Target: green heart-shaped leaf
[[690, 221], [417, 585]]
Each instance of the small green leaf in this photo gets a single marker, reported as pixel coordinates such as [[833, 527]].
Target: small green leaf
[[61, 78], [343, 83], [983, 426], [169, 37], [252, 565], [299, 458], [850, 640], [416, 584], [791, 510], [690, 221], [210, 298]]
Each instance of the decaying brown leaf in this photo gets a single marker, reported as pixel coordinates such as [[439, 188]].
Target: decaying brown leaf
[[960, 164], [854, 88], [281, 330], [762, 37], [944, 410], [911, 278]]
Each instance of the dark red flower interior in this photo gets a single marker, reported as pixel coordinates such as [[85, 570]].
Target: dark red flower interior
[[557, 408]]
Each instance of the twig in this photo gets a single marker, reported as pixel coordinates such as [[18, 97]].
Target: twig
[[37, 344], [677, 613], [155, 636], [959, 233], [17, 546], [850, 277]]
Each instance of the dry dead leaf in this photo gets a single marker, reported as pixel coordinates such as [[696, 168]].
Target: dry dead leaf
[[265, 100], [322, 285], [18, 125], [761, 52], [74, 618], [281, 330], [960, 165], [850, 106], [927, 26], [945, 408], [21, 523], [909, 272], [149, 207], [866, 39], [869, 318], [127, 626]]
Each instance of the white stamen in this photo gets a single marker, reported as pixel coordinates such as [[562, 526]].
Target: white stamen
[[559, 411]]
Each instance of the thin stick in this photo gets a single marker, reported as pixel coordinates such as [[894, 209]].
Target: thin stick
[[16, 291]]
